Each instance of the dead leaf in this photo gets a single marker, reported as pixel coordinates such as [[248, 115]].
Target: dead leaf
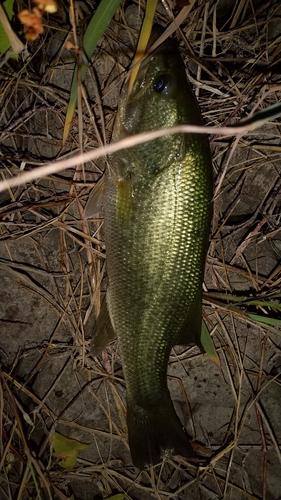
[[69, 45], [49, 6], [32, 22]]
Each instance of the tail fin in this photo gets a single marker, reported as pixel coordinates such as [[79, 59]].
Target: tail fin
[[156, 432]]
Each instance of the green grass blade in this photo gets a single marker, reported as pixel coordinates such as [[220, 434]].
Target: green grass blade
[[272, 324], [94, 32], [208, 345], [263, 116], [143, 39], [235, 300], [265, 319], [263, 303], [98, 24]]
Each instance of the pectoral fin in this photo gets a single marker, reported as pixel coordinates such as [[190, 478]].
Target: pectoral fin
[[124, 201], [103, 332], [94, 204], [196, 332]]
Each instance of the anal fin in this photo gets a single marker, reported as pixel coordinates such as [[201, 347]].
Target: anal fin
[[191, 330], [103, 332]]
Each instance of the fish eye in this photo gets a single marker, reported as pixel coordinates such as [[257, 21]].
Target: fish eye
[[163, 84]]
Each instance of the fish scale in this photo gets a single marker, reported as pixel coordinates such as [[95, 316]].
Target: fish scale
[[157, 211]]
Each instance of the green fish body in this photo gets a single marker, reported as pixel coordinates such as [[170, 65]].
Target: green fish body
[[157, 210]]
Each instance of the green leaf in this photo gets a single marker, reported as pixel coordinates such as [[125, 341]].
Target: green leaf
[[66, 450], [119, 496], [94, 32], [9, 8], [9, 41], [208, 345], [5, 43]]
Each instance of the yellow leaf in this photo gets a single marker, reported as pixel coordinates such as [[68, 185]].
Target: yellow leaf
[[143, 39], [66, 449]]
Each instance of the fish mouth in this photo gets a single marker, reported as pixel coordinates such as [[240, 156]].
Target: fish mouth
[[139, 85], [124, 122]]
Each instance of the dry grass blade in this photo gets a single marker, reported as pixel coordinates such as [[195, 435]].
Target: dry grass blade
[[53, 262]]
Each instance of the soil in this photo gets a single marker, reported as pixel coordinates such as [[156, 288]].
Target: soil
[[53, 273]]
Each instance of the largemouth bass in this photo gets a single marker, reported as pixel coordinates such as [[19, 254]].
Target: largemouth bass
[[157, 213]]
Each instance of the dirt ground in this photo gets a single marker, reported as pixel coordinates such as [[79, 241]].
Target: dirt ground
[[53, 273]]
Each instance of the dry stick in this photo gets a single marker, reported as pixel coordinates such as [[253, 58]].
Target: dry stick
[[9, 445], [58, 166], [31, 459], [227, 267], [236, 430], [90, 430], [153, 484], [85, 225], [260, 423], [214, 32], [64, 316], [262, 414], [255, 401], [214, 475], [102, 407], [202, 44], [251, 277], [205, 473], [64, 226], [248, 240], [173, 26], [233, 149]]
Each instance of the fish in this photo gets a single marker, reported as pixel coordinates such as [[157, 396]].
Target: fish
[[157, 216]]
